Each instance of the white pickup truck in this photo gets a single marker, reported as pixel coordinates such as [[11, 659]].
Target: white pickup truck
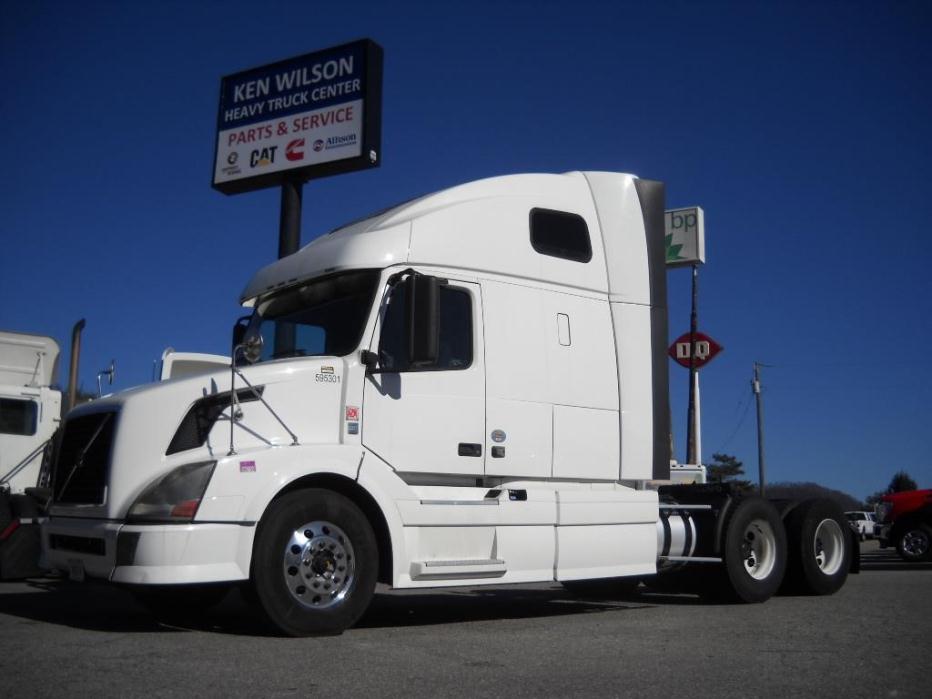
[[863, 522]]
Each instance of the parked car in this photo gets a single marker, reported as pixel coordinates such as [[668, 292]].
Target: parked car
[[862, 523]]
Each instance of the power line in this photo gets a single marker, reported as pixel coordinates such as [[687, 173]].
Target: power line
[[747, 406]]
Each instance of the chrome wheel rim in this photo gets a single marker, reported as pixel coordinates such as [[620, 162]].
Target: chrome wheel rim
[[759, 549], [829, 546], [319, 565], [915, 543]]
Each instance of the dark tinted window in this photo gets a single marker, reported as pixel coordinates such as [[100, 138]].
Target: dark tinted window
[[455, 332], [18, 416], [560, 234]]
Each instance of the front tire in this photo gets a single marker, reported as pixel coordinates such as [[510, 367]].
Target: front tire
[[315, 562], [914, 543]]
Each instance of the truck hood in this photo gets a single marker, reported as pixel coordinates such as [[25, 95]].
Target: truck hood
[[162, 426]]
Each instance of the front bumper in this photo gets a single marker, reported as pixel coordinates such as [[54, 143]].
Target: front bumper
[[147, 554]]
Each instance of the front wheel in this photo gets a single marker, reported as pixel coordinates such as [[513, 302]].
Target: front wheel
[[314, 563], [914, 543]]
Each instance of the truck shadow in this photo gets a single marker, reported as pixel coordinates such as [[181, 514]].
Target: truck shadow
[[90, 606], [101, 607], [404, 608], [889, 559]]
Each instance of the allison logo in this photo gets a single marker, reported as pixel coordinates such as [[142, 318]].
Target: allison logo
[[318, 145]]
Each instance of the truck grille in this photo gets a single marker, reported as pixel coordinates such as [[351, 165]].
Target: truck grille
[[80, 474]]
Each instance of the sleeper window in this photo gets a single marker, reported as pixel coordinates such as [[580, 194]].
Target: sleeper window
[[560, 234]]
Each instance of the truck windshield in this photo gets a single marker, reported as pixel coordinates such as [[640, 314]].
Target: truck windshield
[[322, 317]]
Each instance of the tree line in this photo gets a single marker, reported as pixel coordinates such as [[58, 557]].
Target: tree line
[[727, 468]]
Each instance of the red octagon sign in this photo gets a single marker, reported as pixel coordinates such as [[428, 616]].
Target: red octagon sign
[[706, 350]]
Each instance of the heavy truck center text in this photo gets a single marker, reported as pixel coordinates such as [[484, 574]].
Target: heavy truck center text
[[275, 104]]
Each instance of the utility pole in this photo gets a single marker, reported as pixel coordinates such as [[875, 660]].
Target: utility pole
[[755, 389]]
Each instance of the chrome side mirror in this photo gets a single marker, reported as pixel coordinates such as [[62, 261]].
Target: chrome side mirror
[[252, 346], [109, 372]]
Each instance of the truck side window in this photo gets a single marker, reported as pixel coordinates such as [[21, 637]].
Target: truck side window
[[455, 332], [560, 234], [18, 416]]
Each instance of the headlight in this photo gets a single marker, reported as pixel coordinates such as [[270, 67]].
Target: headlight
[[175, 497]]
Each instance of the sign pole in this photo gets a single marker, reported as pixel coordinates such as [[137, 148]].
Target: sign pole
[[289, 222], [693, 375], [289, 240], [697, 422]]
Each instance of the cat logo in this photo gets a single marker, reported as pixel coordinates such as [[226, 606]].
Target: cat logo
[[263, 156]]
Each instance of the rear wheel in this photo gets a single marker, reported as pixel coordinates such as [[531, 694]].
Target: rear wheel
[[753, 554], [914, 543], [819, 551], [314, 563]]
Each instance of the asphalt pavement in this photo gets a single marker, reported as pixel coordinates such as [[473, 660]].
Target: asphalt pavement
[[871, 639]]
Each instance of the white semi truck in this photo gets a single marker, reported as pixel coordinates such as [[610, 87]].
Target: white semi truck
[[30, 412], [467, 389]]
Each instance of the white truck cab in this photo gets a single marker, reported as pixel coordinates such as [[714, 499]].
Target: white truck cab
[[30, 412], [467, 389], [30, 409]]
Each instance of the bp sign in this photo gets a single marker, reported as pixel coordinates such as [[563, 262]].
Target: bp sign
[[706, 350], [311, 116], [684, 236]]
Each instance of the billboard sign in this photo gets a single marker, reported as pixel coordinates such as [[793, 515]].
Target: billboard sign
[[684, 236], [311, 116]]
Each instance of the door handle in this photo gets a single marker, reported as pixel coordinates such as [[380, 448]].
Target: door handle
[[469, 449]]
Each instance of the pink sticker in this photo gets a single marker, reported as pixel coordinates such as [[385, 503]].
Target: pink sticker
[[247, 466], [352, 412]]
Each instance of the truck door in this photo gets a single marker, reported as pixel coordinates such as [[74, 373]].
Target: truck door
[[429, 419]]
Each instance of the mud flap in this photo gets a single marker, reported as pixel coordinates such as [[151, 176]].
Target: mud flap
[[20, 538]]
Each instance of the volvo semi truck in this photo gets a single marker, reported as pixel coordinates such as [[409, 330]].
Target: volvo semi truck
[[467, 389]]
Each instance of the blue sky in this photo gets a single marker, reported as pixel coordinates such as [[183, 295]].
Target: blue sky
[[802, 129]]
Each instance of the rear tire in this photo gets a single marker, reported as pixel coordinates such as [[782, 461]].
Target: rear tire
[[315, 563], [753, 554], [819, 553], [914, 543]]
